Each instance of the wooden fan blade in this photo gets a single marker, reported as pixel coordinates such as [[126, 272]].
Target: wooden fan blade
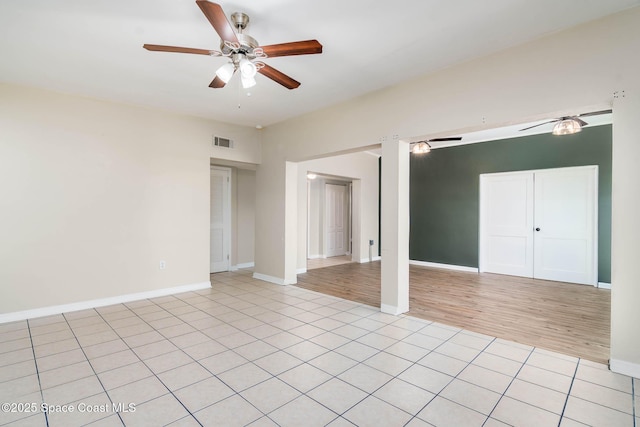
[[595, 113], [539, 124], [582, 122], [278, 77], [176, 49], [306, 47], [218, 20], [217, 83], [453, 138]]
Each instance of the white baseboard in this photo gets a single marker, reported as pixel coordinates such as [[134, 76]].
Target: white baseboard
[[375, 258], [604, 285], [101, 302], [274, 280], [315, 257], [301, 270], [391, 309], [241, 265], [625, 368], [444, 266]]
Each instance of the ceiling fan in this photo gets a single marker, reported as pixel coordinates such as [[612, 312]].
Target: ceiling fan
[[423, 147], [244, 52], [568, 124]]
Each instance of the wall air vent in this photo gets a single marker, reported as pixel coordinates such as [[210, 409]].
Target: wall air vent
[[219, 141]]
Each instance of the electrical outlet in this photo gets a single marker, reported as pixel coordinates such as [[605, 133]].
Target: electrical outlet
[[163, 265], [370, 242]]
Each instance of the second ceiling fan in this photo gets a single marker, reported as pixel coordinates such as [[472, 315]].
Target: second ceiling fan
[[244, 52]]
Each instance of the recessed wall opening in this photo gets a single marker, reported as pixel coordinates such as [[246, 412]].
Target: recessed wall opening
[[329, 225], [232, 215]]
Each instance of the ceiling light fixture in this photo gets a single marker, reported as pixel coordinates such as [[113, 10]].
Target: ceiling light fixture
[[226, 72], [567, 126], [421, 148], [247, 82], [312, 175], [247, 68]]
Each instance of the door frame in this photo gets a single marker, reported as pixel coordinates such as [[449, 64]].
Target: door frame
[[226, 239], [482, 206]]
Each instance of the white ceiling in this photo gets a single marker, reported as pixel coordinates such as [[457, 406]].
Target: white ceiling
[[94, 47]]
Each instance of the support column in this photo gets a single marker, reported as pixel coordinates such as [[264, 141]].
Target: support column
[[395, 228], [625, 235], [291, 224]]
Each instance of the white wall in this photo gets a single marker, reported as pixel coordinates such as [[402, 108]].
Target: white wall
[[94, 194], [537, 80], [315, 217], [362, 169], [245, 216]]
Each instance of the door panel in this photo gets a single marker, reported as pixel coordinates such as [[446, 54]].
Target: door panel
[[565, 203], [335, 214], [220, 221], [506, 224]]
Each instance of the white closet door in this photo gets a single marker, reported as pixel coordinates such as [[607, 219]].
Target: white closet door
[[565, 224], [540, 224], [506, 224], [336, 219], [220, 221]]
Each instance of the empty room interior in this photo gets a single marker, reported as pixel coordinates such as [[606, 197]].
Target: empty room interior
[[221, 214]]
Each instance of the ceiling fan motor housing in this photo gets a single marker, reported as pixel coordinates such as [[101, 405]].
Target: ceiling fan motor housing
[[247, 45]]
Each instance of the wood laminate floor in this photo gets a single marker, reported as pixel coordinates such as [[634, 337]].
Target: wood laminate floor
[[568, 318], [312, 264]]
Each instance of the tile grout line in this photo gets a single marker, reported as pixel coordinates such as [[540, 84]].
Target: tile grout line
[[338, 415], [513, 378], [150, 370], [575, 372], [459, 331], [454, 377], [35, 361], [231, 349], [351, 340], [91, 365], [469, 364], [633, 400]]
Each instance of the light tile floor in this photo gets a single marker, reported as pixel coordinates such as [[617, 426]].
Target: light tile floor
[[249, 353]]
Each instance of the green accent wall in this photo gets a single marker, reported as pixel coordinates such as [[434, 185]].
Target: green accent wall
[[445, 190]]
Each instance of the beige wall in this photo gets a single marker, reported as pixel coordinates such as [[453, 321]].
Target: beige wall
[[315, 217], [540, 79], [95, 194], [245, 216]]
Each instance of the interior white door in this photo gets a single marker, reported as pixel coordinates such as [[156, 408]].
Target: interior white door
[[506, 224], [540, 224], [336, 220], [220, 220], [565, 225]]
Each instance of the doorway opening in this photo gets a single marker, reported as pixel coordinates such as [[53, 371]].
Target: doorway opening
[[329, 221]]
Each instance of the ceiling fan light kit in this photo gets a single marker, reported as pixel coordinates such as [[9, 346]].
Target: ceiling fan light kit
[[421, 148], [567, 127], [244, 52], [226, 72]]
